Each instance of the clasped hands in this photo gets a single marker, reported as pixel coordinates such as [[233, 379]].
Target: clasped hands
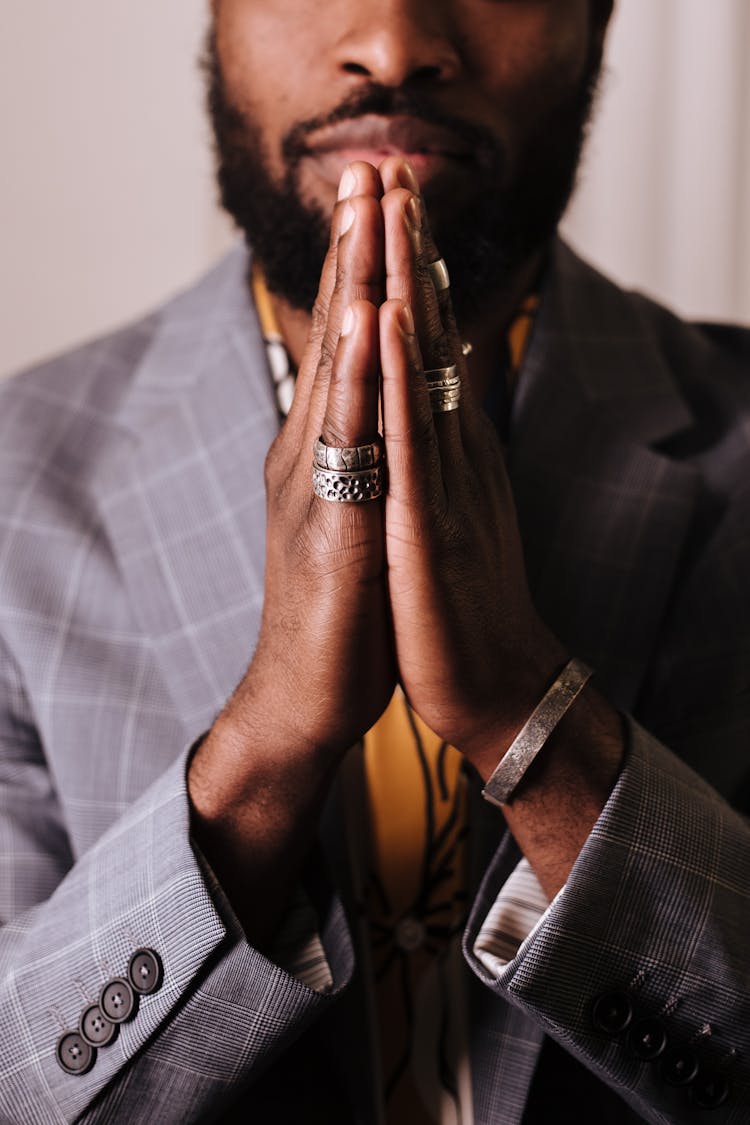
[[426, 586]]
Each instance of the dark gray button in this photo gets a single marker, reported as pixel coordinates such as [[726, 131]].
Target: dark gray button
[[409, 934], [612, 1012], [679, 1066], [117, 1000], [709, 1091], [144, 971], [647, 1039], [74, 1054], [95, 1028]]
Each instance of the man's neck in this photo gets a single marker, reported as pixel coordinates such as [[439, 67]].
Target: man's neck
[[486, 334]]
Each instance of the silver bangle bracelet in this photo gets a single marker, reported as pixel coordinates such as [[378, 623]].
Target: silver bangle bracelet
[[535, 733]]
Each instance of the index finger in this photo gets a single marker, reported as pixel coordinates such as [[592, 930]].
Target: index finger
[[359, 179]]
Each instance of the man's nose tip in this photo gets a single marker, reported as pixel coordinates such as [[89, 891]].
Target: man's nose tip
[[395, 49]]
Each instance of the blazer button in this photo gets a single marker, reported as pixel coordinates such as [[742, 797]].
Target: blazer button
[[74, 1054], [117, 1000], [709, 1091], [679, 1066], [647, 1039], [145, 971], [612, 1012], [95, 1028]]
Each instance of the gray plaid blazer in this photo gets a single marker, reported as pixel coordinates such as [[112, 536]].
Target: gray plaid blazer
[[131, 583]]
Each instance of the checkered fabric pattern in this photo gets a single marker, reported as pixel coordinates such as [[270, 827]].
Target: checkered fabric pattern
[[131, 569]]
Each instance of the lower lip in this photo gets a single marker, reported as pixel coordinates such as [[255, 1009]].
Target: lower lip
[[428, 166]]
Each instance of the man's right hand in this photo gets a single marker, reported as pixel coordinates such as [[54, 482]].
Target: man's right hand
[[323, 670]]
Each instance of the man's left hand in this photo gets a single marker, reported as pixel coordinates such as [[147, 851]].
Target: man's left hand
[[473, 657]]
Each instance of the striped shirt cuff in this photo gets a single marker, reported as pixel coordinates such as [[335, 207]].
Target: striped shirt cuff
[[516, 913], [297, 948]]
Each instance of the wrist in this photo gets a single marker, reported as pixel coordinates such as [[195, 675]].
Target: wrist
[[243, 762], [255, 807], [517, 693], [536, 732]]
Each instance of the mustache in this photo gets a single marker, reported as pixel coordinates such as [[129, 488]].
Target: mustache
[[386, 101]]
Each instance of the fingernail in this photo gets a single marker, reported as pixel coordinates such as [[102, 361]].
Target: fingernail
[[406, 320], [406, 176], [348, 321], [347, 184], [414, 213], [347, 219]]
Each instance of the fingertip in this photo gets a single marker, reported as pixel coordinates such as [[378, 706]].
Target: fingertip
[[397, 172], [398, 334], [360, 178], [358, 315], [405, 319], [398, 311], [347, 183], [407, 177], [402, 211]]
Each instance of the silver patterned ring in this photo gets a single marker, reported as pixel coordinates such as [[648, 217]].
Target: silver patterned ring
[[444, 386], [348, 487], [347, 458], [439, 274], [444, 399], [439, 377]]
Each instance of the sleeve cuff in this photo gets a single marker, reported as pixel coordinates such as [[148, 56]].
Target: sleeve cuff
[[515, 915], [298, 948]]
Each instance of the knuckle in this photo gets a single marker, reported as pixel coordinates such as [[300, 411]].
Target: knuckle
[[327, 352], [423, 275], [410, 524], [334, 430], [365, 286], [422, 433], [455, 548], [343, 273], [279, 476], [399, 287], [417, 435], [272, 463], [319, 319]]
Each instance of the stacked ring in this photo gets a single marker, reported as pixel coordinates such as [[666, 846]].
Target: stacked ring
[[348, 474], [348, 458], [444, 386]]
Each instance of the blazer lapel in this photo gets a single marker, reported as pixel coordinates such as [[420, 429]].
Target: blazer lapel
[[181, 491], [603, 513]]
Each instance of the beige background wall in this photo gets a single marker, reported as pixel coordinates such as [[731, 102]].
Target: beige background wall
[[106, 189], [665, 197]]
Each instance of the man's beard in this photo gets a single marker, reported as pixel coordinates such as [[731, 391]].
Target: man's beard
[[509, 219]]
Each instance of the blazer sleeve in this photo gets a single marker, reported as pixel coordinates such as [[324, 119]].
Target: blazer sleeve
[[641, 966], [221, 1012]]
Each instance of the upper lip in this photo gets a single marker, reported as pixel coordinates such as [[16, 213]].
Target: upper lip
[[388, 134]]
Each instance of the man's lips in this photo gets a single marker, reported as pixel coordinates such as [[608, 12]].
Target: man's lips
[[389, 134], [431, 149]]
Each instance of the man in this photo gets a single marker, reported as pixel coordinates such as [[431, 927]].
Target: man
[[203, 914]]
